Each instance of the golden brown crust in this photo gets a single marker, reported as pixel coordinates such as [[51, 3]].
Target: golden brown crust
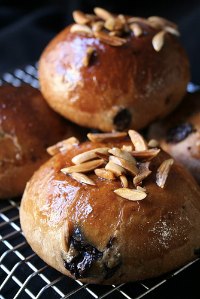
[[179, 133], [27, 127], [134, 239], [134, 79]]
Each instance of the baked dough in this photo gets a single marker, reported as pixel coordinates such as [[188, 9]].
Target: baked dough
[[90, 232], [179, 133], [114, 82], [27, 127]]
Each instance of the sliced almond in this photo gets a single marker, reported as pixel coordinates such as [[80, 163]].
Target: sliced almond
[[97, 26], [115, 151], [110, 40], [103, 156], [86, 60], [141, 188], [84, 167], [82, 178], [172, 30], [100, 137], [160, 23], [62, 146], [105, 174], [80, 17], [158, 40], [89, 155], [129, 166], [137, 140], [137, 19], [136, 29], [148, 154], [115, 33], [124, 181], [131, 194], [143, 173], [153, 143], [77, 28], [127, 148], [102, 13], [114, 24], [116, 169], [163, 171]]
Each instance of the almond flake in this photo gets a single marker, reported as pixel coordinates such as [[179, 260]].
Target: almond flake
[[158, 40], [89, 155], [160, 23], [172, 30], [100, 137], [124, 181], [127, 148], [80, 17], [116, 169], [131, 194], [148, 154], [97, 26], [84, 167], [105, 174], [143, 173], [110, 40], [122, 154], [137, 140], [137, 30], [86, 60], [77, 28], [163, 171], [62, 146], [153, 143], [82, 178], [102, 13], [141, 188], [129, 166]]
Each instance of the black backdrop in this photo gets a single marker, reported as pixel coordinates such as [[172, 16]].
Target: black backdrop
[[26, 26]]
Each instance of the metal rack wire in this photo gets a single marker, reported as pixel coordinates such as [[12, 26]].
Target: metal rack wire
[[24, 275]]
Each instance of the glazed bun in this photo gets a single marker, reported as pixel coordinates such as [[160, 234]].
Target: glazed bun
[[27, 127], [119, 212], [179, 133], [114, 72]]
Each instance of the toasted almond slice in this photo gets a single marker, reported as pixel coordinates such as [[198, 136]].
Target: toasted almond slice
[[163, 171], [89, 155], [137, 140], [160, 22], [143, 173], [137, 19], [84, 167], [86, 60], [137, 30], [81, 29], [158, 40], [110, 24], [115, 151], [102, 13], [172, 30], [147, 154], [127, 148], [124, 181], [97, 26], [141, 188], [105, 157], [62, 146], [116, 169], [105, 174], [131, 194], [129, 166], [82, 178], [115, 33], [110, 40], [153, 143], [100, 137], [80, 17]]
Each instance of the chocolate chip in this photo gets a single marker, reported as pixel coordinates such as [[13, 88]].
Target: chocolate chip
[[122, 119], [85, 257], [179, 133]]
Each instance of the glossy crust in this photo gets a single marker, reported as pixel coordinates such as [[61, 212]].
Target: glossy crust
[[27, 127], [179, 133], [146, 238], [126, 86]]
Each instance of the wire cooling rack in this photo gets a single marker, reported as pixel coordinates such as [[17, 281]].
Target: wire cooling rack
[[24, 275]]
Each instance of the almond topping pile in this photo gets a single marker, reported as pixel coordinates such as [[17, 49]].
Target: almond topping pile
[[129, 164], [114, 30]]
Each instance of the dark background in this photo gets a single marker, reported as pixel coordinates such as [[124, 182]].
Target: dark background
[[27, 26]]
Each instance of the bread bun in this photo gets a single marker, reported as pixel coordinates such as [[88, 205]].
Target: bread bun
[[98, 227], [108, 82], [27, 127], [179, 133]]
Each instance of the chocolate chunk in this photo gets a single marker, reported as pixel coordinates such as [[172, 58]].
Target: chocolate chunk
[[122, 119], [85, 257], [179, 133]]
